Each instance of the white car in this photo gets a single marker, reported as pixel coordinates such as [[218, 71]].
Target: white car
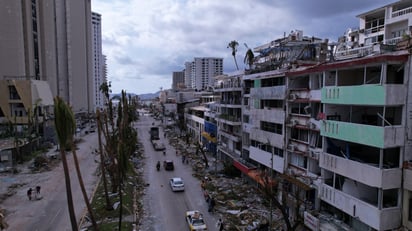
[[195, 221], [177, 184]]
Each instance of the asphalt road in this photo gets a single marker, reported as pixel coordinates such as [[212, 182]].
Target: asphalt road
[[165, 210]]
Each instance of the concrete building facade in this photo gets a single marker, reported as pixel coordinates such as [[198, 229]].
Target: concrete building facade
[[49, 40]]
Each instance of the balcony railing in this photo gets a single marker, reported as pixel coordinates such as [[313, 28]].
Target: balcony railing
[[230, 118], [380, 219], [354, 53], [362, 172], [402, 12], [376, 136]]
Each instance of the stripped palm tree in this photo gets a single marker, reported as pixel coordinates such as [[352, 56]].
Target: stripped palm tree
[[109, 205], [249, 57], [233, 45], [69, 128], [80, 178], [65, 128]]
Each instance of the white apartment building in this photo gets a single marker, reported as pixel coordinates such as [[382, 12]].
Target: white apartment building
[[203, 70], [387, 24], [99, 60], [49, 40]]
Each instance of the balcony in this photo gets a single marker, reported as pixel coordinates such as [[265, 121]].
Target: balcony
[[265, 158], [380, 137], [278, 92], [362, 172], [384, 219], [230, 135], [230, 119], [365, 95], [276, 115], [402, 12], [230, 85], [407, 176], [233, 103]]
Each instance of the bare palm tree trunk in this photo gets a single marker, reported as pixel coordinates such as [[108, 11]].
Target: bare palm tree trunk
[[237, 67], [99, 130], [85, 197], [68, 189], [65, 127]]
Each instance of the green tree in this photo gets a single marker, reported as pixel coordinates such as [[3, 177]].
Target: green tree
[[233, 45]]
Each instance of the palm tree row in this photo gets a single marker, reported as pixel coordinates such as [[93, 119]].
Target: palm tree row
[[120, 140]]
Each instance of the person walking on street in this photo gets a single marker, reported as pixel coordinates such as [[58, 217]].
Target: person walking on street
[[38, 196], [220, 224], [29, 193]]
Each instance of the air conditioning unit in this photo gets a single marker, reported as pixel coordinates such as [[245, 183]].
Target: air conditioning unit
[[293, 96], [293, 122]]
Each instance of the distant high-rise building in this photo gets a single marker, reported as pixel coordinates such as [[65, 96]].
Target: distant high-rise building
[[98, 62], [203, 70], [50, 41], [178, 80], [188, 74]]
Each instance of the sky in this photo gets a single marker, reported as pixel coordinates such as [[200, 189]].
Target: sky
[[146, 41]]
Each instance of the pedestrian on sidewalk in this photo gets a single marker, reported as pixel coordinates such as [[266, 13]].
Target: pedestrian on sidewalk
[[29, 193]]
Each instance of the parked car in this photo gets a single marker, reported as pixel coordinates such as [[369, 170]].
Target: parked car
[[168, 165], [195, 220], [177, 184]]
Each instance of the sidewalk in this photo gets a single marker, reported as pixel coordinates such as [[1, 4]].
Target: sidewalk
[[21, 213]]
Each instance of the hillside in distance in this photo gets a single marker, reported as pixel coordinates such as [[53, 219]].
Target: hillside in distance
[[146, 96]]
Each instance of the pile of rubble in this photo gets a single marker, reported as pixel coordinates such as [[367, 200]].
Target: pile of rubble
[[238, 202]]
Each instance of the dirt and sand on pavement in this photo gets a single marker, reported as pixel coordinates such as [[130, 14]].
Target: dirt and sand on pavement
[[17, 209]]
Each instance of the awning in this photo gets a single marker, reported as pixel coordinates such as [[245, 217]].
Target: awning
[[209, 137], [259, 177], [242, 167]]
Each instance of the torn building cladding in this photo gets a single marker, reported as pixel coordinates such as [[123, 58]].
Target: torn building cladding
[[309, 109]]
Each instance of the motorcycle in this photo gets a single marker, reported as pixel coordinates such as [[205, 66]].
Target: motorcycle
[[158, 166]]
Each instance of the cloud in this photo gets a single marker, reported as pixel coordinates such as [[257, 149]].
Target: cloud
[[146, 41]]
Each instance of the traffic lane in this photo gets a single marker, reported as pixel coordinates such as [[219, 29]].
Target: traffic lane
[[193, 194], [167, 209]]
